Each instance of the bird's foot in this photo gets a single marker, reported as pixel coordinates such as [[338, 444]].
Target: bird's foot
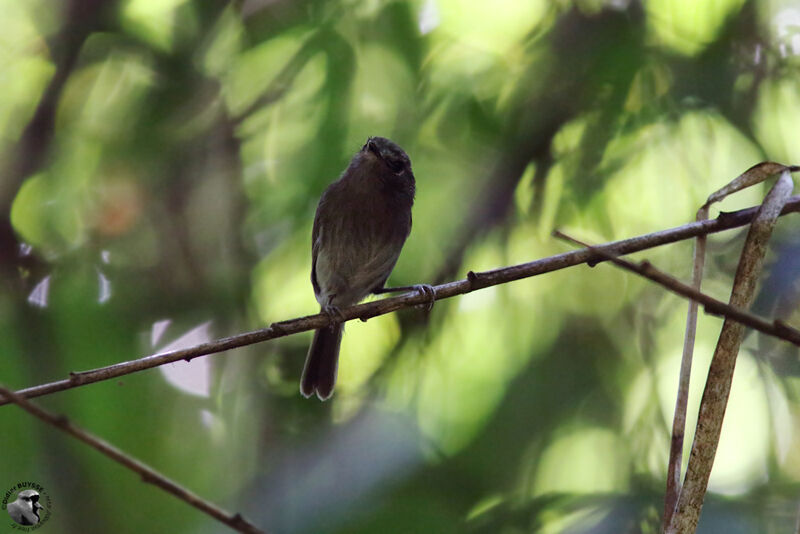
[[423, 289], [333, 313], [427, 290]]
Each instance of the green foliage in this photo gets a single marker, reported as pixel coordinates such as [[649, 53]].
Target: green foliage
[[161, 165]]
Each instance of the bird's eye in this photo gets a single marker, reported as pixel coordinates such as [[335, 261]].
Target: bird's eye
[[395, 164]]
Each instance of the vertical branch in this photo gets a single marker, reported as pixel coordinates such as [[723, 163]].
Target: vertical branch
[[720, 374], [682, 400]]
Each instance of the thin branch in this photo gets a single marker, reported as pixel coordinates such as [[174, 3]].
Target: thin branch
[[682, 399], [720, 373], [711, 305], [148, 474], [473, 282], [754, 175]]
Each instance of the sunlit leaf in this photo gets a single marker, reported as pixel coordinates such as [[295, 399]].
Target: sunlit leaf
[[686, 26]]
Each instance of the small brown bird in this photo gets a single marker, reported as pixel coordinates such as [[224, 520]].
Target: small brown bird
[[361, 224]]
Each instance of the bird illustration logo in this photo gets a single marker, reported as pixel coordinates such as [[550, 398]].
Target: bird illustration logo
[[25, 510]]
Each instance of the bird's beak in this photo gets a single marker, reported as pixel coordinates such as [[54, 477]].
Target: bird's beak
[[372, 147]]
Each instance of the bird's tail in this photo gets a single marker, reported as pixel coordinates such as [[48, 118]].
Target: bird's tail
[[319, 373]]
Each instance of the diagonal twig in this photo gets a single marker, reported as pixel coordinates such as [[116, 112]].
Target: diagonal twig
[[148, 474], [473, 282], [711, 305]]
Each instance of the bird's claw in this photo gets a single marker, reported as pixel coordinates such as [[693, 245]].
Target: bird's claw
[[333, 313], [427, 290]]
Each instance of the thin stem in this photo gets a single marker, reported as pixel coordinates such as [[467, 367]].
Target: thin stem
[[682, 398], [711, 305], [473, 282], [147, 473], [723, 362]]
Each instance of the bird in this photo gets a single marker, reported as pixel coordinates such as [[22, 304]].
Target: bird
[[361, 223], [25, 510]]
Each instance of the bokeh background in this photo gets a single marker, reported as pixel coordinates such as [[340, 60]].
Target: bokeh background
[[161, 163]]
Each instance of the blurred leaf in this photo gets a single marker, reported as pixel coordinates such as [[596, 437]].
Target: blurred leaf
[[180, 148], [159, 22], [776, 117], [33, 216], [688, 27]]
